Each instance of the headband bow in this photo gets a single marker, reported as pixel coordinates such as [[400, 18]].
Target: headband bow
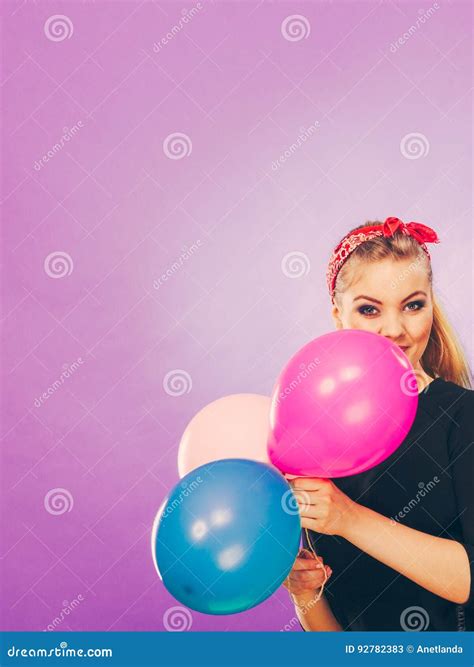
[[421, 233]]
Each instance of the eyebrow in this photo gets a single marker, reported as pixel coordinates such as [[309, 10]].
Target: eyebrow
[[369, 298]]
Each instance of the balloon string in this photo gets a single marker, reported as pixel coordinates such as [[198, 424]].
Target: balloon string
[[321, 590]]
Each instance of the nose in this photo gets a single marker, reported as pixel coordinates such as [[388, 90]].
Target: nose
[[392, 328]]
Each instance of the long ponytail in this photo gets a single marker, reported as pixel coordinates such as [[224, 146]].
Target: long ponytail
[[443, 356]]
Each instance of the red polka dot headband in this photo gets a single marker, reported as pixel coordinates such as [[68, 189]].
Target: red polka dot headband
[[419, 232]]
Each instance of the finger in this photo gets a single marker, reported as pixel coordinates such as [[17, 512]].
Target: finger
[[308, 563], [298, 587], [310, 483], [311, 524], [311, 578], [306, 553], [312, 511], [302, 564], [311, 555], [305, 498]]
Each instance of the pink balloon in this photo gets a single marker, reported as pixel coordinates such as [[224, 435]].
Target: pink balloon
[[341, 405], [231, 427]]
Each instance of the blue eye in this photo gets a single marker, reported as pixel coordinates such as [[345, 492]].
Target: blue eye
[[366, 310], [362, 310], [419, 304]]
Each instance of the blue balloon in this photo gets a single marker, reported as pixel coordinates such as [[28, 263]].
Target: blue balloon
[[227, 536]]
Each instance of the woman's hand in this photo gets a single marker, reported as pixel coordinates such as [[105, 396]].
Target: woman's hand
[[323, 507], [306, 575]]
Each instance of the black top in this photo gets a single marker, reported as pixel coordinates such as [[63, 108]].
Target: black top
[[427, 484]]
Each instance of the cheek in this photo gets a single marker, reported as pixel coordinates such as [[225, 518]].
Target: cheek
[[419, 328], [357, 321]]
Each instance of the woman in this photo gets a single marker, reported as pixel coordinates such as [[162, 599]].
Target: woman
[[399, 537]]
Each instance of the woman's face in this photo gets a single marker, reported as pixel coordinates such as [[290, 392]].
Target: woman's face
[[393, 299]]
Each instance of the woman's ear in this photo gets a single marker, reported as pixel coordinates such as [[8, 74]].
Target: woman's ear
[[336, 316]]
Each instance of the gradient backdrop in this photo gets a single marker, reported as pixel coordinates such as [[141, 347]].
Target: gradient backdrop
[[230, 157]]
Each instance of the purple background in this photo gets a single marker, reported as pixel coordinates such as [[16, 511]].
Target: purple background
[[233, 313]]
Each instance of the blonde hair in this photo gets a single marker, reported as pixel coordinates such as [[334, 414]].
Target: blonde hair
[[443, 356]]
